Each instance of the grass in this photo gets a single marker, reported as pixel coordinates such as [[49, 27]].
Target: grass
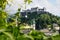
[[56, 37]]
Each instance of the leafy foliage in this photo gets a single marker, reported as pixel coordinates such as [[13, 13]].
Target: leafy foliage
[[9, 30], [36, 35], [27, 1]]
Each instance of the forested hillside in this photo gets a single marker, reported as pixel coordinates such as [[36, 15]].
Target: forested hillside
[[42, 20]]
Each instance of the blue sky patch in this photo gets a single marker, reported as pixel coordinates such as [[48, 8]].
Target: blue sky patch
[[52, 2]]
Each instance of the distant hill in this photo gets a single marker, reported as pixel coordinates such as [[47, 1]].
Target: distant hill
[[42, 20], [47, 19]]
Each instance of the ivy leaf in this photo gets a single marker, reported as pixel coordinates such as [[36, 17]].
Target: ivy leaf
[[27, 1], [9, 35]]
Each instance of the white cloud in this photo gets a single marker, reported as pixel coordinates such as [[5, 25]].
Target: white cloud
[[44, 3], [58, 2], [54, 9], [14, 5], [57, 7]]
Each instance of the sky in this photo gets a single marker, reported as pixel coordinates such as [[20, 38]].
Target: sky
[[52, 6]]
